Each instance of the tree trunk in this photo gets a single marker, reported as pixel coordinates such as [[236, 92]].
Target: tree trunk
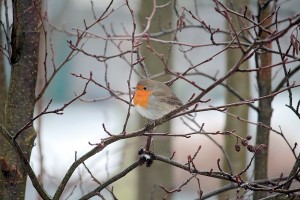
[[159, 173], [240, 83], [21, 95], [265, 109]]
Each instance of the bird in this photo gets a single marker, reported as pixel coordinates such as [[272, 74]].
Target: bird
[[153, 99]]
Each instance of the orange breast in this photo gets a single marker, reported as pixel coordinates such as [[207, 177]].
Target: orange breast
[[141, 98]]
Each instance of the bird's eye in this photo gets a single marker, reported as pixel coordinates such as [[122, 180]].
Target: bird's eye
[[144, 88]]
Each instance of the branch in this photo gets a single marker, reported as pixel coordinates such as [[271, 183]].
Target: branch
[[111, 180], [294, 172]]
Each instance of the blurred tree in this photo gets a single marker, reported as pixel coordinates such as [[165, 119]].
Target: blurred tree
[[20, 100], [149, 179], [239, 82]]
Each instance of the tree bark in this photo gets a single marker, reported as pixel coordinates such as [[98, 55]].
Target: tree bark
[[21, 95], [264, 81]]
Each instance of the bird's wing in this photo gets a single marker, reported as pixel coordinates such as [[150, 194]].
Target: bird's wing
[[168, 97]]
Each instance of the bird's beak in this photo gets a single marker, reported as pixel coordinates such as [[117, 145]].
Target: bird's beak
[[134, 88]]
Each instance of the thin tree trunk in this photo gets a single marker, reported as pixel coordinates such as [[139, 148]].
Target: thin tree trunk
[[159, 173], [265, 109], [21, 95], [240, 83]]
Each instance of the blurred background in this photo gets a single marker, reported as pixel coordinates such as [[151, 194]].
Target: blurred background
[[65, 137]]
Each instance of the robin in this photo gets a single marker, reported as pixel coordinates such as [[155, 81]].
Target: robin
[[154, 99]]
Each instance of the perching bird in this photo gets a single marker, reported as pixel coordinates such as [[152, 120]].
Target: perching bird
[[154, 99]]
